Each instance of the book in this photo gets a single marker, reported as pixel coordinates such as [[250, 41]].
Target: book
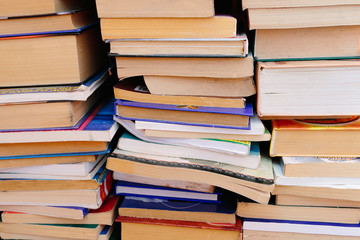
[[293, 17], [281, 179], [194, 186], [225, 87], [44, 63], [180, 47], [43, 160], [26, 150], [157, 208], [76, 92], [303, 227], [210, 27], [307, 43], [293, 138], [75, 198], [210, 67], [296, 3], [62, 169], [96, 125], [47, 182], [266, 136], [108, 232], [248, 159], [105, 215], [133, 189], [159, 8], [253, 183], [248, 209], [214, 145], [50, 22], [215, 116], [23, 8], [135, 89], [54, 114], [77, 213], [318, 167], [135, 228], [79, 231], [257, 128], [262, 235], [284, 89], [282, 199]]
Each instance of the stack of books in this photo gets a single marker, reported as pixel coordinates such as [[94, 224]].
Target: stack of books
[[185, 73], [307, 85], [56, 120]]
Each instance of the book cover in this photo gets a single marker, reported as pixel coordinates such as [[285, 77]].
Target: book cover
[[134, 189], [247, 111]]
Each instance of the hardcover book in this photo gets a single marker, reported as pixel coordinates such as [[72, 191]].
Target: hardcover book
[[159, 208], [135, 228]]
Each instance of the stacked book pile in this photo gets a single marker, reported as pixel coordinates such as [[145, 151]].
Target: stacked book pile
[[307, 79], [56, 122], [191, 141]]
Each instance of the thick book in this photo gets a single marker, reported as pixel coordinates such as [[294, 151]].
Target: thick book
[[293, 138], [235, 70], [135, 89], [248, 209], [193, 186], [307, 89], [304, 227], [96, 125], [136, 228], [249, 159], [49, 22], [213, 27], [307, 43], [92, 198], [158, 8], [203, 85], [127, 188], [319, 179], [206, 116], [320, 167], [42, 53], [253, 183], [180, 47], [293, 17], [21, 8], [105, 215], [293, 200], [158, 208], [294, 3], [75, 92], [108, 232], [81, 231]]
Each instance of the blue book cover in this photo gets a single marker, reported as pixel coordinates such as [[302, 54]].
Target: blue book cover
[[126, 188], [247, 111], [227, 204]]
